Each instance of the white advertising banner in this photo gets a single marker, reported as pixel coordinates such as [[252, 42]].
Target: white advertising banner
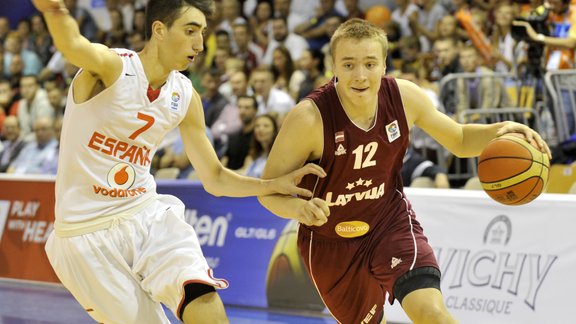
[[500, 264]]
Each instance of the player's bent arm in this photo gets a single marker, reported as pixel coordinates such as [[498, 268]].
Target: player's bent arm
[[79, 51], [302, 125], [463, 140], [221, 181]]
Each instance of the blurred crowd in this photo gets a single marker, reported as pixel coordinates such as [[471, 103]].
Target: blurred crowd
[[262, 56]]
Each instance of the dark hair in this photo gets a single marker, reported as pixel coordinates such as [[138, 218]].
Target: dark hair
[[253, 98], [288, 69], [167, 11], [256, 148]]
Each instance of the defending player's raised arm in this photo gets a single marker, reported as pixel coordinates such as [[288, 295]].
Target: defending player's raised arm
[[303, 126], [221, 181], [463, 140], [78, 50]]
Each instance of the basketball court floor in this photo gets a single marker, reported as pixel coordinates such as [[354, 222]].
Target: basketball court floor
[[33, 303]]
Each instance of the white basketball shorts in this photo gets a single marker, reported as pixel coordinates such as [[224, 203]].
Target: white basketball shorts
[[123, 273]]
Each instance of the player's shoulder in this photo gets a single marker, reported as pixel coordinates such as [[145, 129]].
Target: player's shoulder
[[305, 114]]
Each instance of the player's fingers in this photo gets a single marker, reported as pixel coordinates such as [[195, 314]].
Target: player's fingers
[[318, 213], [295, 190], [312, 168], [321, 203]]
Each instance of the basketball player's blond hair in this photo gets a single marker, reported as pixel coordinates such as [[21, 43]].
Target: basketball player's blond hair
[[359, 29]]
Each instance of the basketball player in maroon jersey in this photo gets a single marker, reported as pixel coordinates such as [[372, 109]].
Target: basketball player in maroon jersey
[[359, 236], [118, 246]]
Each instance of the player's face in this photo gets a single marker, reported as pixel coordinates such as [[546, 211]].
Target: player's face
[[184, 40], [359, 67]]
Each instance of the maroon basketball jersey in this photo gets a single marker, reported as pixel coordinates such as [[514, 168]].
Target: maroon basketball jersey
[[364, 186]]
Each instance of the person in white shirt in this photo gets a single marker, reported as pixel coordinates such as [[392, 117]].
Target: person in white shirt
[[119, 247], [280, 36]]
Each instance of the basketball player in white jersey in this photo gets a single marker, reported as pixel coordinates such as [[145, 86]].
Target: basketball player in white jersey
[[119, 247]]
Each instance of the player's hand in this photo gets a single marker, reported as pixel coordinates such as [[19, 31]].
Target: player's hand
[[314, 212], [288, 184], [53, 6], [529, 134]]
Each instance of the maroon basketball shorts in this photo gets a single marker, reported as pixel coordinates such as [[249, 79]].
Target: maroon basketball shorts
[[353, 275]]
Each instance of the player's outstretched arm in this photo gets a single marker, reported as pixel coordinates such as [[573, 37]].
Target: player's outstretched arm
[[463, 140], [78, 50], [302, 126], [221, 181]]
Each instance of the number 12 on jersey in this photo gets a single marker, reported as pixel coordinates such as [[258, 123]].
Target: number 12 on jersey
[[362, 160]]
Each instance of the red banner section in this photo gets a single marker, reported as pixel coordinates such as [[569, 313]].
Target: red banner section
[[26, 220]]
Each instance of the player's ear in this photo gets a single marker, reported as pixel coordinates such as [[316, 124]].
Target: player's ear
[[158, 29]]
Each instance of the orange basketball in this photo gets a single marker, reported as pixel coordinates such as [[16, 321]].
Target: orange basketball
[[513, 171]]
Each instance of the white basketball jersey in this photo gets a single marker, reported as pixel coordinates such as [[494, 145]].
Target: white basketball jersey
[[108, 142]]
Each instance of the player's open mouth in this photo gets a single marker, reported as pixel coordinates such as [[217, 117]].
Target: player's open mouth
[[191, 59]]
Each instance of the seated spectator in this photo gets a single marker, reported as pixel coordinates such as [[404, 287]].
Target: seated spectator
[[417, 166], [246, 50], [37, 152], [270, 100], [281, 37], [265, 132], [239, 142], [283, 68], [282, 9], [12, 144], [212, 100], [33, 105], [8, 99], [13, 46], [312, 64], [482, 92], [314, 30], [50, 165]]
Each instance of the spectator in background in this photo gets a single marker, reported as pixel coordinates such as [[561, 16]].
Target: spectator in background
[[57, 100], [416, 166], [312, 63], [136, 41], [117, 36], [481, 92], [507, 52], [8, 98], [246, 50], [293, 19], [13, 47], [15, 72], [283, 69], [260, 23], [212, 101], [402, 16], [446, 62], [4, 29], [86, 23], [314, 30], [239, 142], [265, 132], [282, 37], [41, 41], [332, 24], [139, 25], [33, 105], [50, 164], [270, 100], [425, 20], [38, 151], [353, 9], [12, 144]]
